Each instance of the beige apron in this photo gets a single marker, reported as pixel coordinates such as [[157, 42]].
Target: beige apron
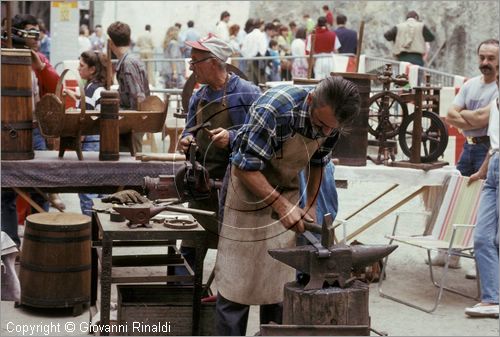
[[245, 272], [214, 159]]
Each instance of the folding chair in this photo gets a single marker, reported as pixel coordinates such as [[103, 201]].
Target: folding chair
[[453, 231]]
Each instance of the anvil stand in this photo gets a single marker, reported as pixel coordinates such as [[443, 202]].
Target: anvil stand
[[341, 307]]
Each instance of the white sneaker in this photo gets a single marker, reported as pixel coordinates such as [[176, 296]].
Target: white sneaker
[[482, 310]]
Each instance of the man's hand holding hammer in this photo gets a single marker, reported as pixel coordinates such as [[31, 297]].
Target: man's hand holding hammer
[[219, 136]]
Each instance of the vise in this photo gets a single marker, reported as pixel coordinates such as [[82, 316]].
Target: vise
[[190, 182]]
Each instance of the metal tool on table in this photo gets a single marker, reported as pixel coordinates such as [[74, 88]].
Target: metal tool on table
[[141, 214], [191, 181], [326, 261]]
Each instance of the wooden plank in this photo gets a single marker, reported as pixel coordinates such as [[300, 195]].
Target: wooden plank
[[314, 330], [372, 201], [419, 166], [360, 43], [146, 274], [30, 201], [384, 213], [147, 260]]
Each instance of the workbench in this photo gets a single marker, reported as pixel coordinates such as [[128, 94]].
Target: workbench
[[68, 174], [107, 234], [48, 173]]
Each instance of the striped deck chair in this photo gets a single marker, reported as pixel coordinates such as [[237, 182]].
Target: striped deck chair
[[452, 231]]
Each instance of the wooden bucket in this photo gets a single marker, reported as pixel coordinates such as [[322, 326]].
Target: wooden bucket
[[17, 105], [56, 260]]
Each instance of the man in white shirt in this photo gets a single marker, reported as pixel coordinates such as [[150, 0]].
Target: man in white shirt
[[254, 44], [222, 27]]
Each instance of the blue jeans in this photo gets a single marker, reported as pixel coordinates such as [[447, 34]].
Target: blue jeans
[[471, 158], [327, 201], [486, 235], [9, 212], [38, 140], [231, 318], [90, 143]]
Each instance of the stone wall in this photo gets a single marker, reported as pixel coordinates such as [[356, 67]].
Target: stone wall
[[459, 26]]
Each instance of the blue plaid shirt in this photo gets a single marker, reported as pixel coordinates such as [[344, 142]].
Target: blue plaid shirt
[[273, 118]]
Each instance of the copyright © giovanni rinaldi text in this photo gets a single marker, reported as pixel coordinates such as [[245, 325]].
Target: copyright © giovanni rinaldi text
[[47, 329]]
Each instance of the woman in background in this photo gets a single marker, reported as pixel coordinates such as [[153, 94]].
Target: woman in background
[[173, 71], [92, 69], [234, 43], [298, 49]]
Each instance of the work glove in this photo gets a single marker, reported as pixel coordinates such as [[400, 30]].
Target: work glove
[[126, 197]]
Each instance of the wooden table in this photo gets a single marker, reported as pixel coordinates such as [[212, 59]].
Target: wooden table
[[48, 173], [107, 234]]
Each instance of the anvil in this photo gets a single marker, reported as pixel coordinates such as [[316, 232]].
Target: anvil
[[328, 262]]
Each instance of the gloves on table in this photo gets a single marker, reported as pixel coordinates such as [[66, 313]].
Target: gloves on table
[[126, 197]]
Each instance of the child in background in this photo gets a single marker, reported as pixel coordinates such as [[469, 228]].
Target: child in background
[[273, 66]]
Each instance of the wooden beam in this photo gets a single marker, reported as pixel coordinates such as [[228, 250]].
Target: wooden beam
[[360, 43], [30, 201], [384, 214]]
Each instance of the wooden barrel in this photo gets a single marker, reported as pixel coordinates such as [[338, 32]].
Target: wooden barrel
[[17, 105], [56, 260], [351, 149]]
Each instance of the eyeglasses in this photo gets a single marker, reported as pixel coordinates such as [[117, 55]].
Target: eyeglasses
[[206, 58]]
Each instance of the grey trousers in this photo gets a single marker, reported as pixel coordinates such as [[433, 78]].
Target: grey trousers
[[231, 318]]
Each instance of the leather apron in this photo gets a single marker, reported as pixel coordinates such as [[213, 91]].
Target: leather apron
[[245, 272], [214, 159]]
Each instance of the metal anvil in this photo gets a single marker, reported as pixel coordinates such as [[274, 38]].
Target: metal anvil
[[326, 261]]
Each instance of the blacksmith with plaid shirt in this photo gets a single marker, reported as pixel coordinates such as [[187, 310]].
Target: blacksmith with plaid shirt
[[288, 129]]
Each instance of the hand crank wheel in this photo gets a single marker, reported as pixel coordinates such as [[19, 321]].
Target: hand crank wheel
[[386, 114], [434, 136]]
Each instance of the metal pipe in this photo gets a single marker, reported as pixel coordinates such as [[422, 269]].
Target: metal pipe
[[196, 211]]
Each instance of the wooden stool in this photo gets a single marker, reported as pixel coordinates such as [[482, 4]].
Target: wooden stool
[[56, 261], [347, 306]]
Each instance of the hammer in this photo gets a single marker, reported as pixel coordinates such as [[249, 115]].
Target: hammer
[[202, 126]]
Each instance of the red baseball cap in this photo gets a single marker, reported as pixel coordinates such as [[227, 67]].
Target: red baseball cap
[[214, 45]]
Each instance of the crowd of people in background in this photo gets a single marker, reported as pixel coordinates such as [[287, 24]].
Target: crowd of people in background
[[286, 46], [283, 47]]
